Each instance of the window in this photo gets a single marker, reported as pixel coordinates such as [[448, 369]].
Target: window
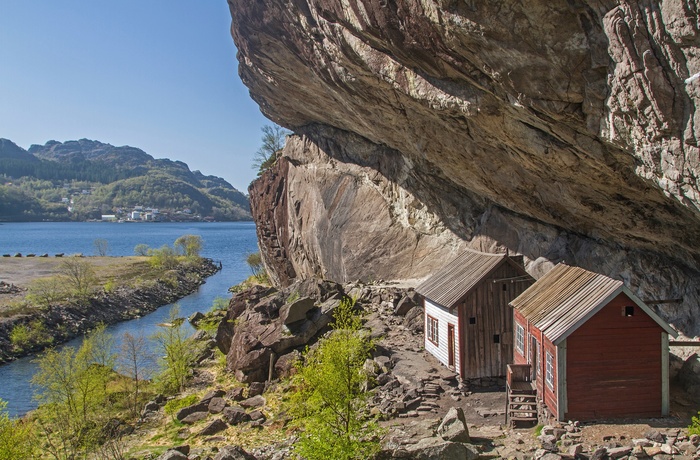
[[496, 338], [520, 339], [549, 373], [432, 330], [628, 311], [472, 320], [539, 360]]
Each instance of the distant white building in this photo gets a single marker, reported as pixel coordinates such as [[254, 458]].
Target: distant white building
[[109, 218], [135, 215], [138, 208]]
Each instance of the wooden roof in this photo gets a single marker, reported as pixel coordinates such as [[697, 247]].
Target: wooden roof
[[453, 282], [566, 297]]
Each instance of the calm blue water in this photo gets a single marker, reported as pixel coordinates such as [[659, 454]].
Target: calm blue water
[[228, 242]]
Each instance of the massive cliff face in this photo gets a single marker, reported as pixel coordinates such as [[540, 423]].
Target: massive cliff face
[[563, 130]]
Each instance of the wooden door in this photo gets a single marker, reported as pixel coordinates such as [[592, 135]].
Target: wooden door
[[450, 345], [534, 362]]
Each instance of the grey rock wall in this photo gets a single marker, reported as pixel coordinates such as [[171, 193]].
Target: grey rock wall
[[563, 130]]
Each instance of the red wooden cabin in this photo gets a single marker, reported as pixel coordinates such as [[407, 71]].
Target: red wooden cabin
[[595, 350]]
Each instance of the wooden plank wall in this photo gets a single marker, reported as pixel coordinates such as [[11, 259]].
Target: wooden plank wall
[[488, 303], [614, 365], [444, 318], [546, 394]]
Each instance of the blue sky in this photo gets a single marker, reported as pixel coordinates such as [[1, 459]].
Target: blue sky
[[154, 74]]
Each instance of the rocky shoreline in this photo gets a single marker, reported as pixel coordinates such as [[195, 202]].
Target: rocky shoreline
[[69, 320]]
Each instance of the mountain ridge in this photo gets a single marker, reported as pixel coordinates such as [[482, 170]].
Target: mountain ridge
[[108, 178]]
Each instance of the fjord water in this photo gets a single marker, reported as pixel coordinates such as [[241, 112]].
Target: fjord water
[[228, 242]]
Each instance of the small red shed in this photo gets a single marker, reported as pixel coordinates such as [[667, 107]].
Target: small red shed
[[596, 351], [468, 322]]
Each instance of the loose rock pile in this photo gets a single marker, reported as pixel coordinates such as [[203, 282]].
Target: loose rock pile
[[565, 441], [8, 288]]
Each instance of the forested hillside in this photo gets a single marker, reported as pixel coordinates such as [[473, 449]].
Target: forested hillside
[[85, 179]]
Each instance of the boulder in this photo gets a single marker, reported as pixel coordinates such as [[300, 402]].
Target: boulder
[[296, 311], [284, 365], [206, 399], [233, 453], [454, 426], [195, 318], [414, 320], [235, 415], [212, 428], [172, 454], [202, 406], [151, 406], [255, 389], [404, 306], [689, 375], [257, 327], [183, 449], [255, 401], [550, 456], [236, 394], [654, 435], [195, 417], [439, 449], [548, 442], [619, 452], [216, 405]]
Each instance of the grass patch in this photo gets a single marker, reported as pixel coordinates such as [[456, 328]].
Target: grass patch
[[537, 431]]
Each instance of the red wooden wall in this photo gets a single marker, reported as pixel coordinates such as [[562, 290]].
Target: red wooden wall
[[614, 365], [544, 392]]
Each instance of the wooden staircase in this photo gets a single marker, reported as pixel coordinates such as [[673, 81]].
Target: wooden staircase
[[521, 396]]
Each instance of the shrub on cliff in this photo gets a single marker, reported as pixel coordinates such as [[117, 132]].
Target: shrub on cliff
[[329, 401], [273, 140]]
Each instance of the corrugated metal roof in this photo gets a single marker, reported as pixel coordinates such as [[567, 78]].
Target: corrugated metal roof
[[453, 281], [563, 299]]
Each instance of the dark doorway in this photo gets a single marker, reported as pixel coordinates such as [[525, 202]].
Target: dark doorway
[[534, 351], [450, 345]]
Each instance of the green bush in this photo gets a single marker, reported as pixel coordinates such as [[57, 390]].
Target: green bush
[[330, 401], [46, 291], [141, 249], [189, 245], [24, 337], [694, 427], [110, 286], [17, 438], [165, 257]]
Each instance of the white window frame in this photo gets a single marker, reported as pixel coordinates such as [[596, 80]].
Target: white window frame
[[520, 338], [549, 370], [432, 330]]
